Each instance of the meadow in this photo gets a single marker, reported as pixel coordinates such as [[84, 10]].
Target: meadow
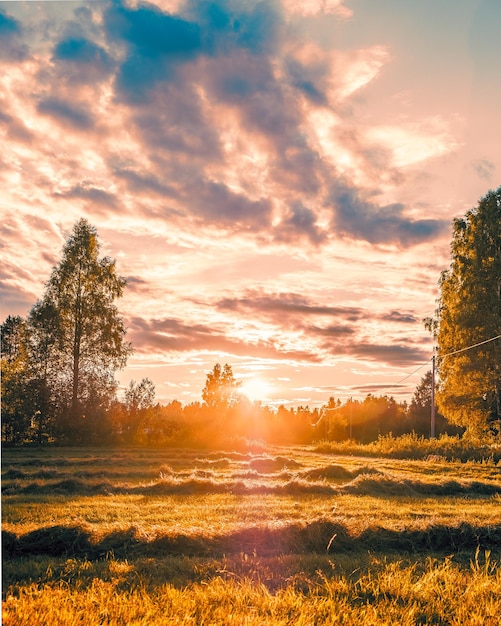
[[264, 535]]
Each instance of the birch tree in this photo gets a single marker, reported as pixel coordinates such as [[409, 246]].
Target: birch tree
[[80, 297]]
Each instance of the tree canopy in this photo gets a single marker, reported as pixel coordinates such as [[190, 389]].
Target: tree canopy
[[66, 352], [469, 313], [220, 391]]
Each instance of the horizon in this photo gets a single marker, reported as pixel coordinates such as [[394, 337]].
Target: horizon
[[276, 180]]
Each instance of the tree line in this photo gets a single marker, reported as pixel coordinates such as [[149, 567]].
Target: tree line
[[58, 364]]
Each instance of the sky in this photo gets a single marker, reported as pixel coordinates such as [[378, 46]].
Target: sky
[[276, 179]]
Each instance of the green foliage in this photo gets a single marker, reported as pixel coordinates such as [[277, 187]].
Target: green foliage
[[16, 401], [469, 313], [59, 363]]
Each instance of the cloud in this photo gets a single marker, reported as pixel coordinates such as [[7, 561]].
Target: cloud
[[275, 305], [484, 168], [15, 128], [329, 331], [66, 113], [216, 204], [87, 191], [12, 48], [158, 42], [145, 182], [392, 354], [80, 60], [298, 222], [309, 8], [358, 218], [15, 301], [175, 123], [399, 317], [172, 335]]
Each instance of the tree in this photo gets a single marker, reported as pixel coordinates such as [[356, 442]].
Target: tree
[[220, 391], [16, 409], [469, 313], [139, 398], [79, 320], [419, 414]]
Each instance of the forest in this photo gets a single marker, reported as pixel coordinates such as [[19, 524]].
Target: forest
[[59, 364]]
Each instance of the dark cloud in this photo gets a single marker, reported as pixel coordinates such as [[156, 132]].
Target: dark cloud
[[362, 219], [154, 33], [136, 284], [329, 331], [290, 303], [80, 60], [396, 355], [140, 182], [248, 83], [215, 203], [309, 79], [156, 42], [399, 317], [300, 221], [89, 192], [67, 113], [175, 123], [8, 25], [171, 335], [12, 47], [380, 388]]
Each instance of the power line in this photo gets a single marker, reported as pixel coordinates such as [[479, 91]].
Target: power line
[[481, 343], [341, 406], [408, 376]]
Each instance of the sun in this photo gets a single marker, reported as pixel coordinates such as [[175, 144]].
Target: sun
[[256, 389]]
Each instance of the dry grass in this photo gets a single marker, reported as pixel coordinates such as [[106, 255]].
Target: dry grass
[[282, 536], [394, 593]]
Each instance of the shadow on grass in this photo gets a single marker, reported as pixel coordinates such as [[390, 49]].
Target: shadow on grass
[[318, 537]]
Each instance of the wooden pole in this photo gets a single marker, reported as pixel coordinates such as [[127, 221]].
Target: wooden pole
[[432, 424]]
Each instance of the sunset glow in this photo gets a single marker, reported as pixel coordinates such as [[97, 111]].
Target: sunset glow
[[257, 389], [276, 180]]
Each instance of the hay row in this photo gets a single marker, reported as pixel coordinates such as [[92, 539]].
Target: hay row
[[207, 483], [320, 536]]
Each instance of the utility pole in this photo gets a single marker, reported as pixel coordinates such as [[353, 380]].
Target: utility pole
[[432, 424], [351, 417]]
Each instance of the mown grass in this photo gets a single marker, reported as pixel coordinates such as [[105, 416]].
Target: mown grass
[[282, 536]]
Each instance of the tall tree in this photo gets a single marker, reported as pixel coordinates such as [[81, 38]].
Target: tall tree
[[469, 313], [77, 316]]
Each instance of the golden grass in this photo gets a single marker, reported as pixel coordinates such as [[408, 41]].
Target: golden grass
[[391, 594], [282, 536]]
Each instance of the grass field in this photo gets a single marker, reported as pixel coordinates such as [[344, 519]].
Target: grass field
[[274, 536]]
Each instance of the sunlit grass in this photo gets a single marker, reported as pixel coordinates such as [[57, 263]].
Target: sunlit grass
[[221, 513], [389, 593], [282, 536]]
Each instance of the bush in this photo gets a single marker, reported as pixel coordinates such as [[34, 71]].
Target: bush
[[412, 446]]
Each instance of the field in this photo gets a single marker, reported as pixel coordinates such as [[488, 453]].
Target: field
[[265, 536]]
